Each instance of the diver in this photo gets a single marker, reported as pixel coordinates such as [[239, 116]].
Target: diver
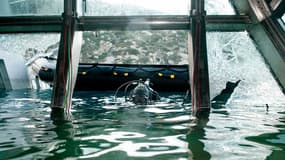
[[141, 93]]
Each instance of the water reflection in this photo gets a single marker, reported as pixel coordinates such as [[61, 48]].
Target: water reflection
[[195, 139], [13, 122], [66, 145], [3, 93], [138, 132], [276, 140], [99, 129]]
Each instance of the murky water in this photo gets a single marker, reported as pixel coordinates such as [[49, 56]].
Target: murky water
[[98, 128]]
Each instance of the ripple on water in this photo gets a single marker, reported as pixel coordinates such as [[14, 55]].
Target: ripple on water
[[106, 130]]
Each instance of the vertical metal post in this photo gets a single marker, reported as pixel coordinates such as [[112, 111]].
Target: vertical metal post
[[84, 7], [5, 82], [62, 85], [199, 75]]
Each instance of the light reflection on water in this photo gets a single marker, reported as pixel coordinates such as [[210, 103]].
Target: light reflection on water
[[113, 131]]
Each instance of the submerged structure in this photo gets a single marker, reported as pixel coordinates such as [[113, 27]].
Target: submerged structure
[[261, 19]]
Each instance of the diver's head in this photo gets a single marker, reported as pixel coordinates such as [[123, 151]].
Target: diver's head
[[140, 94]]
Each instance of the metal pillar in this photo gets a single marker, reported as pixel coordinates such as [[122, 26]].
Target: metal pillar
[[62, 85], [199, 75], [269, 35], [4, 77]]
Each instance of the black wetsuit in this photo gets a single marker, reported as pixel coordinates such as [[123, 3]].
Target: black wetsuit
[[143, 94]]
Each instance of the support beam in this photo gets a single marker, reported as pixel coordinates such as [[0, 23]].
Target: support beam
[[270, 40], [4, 77], [64, 77], [31, 24], [260, 9], [199, 75], [272, 55], [162, 22], [277, 7], [276, 33], [227, 23], [267, 33], [174, 22]]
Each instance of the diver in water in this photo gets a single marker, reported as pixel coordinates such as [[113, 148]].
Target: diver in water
[[143, 93]]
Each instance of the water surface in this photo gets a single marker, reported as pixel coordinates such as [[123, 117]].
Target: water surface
[[98, 128]]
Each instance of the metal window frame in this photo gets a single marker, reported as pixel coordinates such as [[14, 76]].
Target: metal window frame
[[32, 24]]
